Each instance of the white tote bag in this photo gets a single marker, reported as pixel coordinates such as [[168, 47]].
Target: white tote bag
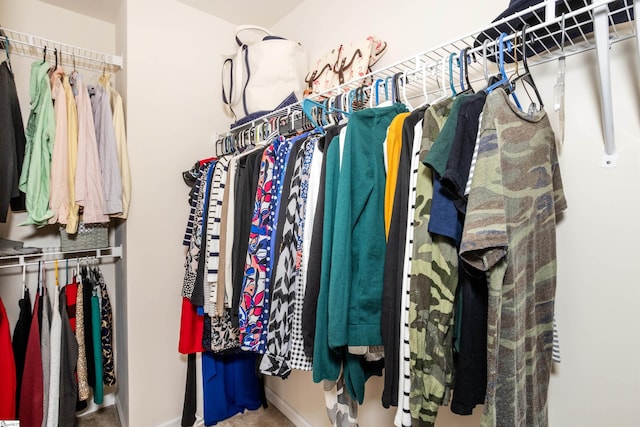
[[265, 71]]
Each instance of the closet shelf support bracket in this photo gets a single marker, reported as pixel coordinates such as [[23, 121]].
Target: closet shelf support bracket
[[601, 32]]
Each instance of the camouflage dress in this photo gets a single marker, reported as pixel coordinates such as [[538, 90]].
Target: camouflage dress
[[509, 232]]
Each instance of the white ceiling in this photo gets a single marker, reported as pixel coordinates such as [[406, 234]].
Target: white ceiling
[[256, 12], [104, 10]]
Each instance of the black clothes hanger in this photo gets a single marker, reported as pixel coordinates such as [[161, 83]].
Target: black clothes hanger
[[463, 66], [526, 76], [397, 81], [44, 55], [464, 57], [361, 95], [6, 48], [462, 60]]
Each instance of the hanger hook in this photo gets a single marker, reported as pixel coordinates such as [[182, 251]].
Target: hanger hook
[[345, 104], [425, 91], [404, 90], [378, 82], [501, 49], [562, 29], [523, 38], [6, 48], [453, 89], [462, 56]]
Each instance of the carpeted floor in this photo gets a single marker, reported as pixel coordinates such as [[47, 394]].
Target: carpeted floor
[[270, 417], [103, 417]]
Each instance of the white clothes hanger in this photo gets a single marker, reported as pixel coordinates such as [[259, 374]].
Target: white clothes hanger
[[443, 82]]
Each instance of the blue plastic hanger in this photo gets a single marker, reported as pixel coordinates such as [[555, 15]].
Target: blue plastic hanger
[[351, 98], [451, 85], [504, 80], [387, 88], [377, 86], [307, 109]]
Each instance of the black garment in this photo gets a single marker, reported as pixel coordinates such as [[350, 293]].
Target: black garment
[[12, 145], [472, 296], [454, 179], [197, 296], [393, 264], [45, 304], [309, 308], [471, 362], [284, 196], [244, 203], [68, 362], [20, 339], [87, 290], [189, 406]]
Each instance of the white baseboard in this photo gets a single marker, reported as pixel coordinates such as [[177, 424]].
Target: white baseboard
[[108, 400], [120, 413], [286, 409], [176, 422], [275, 400], [172, 423]]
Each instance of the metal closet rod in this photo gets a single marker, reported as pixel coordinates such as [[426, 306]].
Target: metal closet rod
[[28, 45], [31, 259]]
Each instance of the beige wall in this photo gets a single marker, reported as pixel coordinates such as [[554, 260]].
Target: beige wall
[[598, 381], [173, 54], [122, 318], [173, 60]]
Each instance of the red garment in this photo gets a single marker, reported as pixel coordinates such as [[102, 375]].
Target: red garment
[[191, 329], [31, 394], [7, 369], [72, 297]]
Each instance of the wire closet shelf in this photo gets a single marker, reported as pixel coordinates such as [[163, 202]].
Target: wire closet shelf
[[554, 34], [31, 46], [49, 257]]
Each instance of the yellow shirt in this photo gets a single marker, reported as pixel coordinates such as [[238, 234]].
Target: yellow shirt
[[393, 149], [72, 155], [59, 196]]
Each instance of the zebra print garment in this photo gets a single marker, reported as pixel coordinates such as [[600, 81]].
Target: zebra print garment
[[275, 361]]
